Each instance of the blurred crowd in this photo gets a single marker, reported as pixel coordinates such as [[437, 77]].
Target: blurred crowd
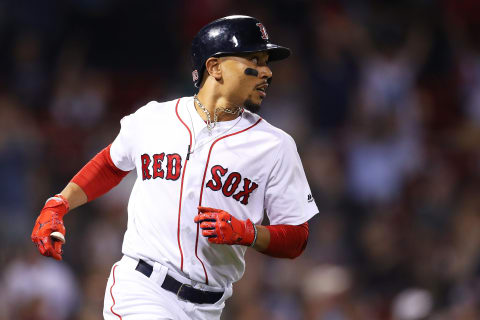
[[382, 98]]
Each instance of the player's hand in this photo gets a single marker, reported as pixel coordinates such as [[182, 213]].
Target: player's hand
[[50, 220], [222, 228]]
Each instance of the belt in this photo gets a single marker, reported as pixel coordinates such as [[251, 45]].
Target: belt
[[182, 290]]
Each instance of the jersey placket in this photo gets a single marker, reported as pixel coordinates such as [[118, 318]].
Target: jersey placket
[[203, 138], [195, 179], [191, 186]]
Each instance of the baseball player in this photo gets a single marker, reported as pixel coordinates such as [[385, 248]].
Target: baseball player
[[208, 167]]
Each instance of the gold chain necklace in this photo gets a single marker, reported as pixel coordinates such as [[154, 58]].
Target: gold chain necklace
[[210, 125]]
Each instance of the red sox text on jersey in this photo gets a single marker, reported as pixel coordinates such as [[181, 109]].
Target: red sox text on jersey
[[153, 167]]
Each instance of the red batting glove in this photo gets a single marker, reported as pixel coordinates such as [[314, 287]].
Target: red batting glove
[[222, 228], [50, 220]]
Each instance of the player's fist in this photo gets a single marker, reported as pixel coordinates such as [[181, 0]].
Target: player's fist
[[222, 228], [51, 220]]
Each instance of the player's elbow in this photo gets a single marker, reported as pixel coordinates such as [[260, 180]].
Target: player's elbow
[[287, 241], [297, 253], [301, 240]]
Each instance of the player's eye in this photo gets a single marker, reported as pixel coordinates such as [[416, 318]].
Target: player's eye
[[254, 60]]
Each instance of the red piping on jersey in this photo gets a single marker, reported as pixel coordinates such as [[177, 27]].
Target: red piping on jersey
[[180, 205], [181, 188], [205, 174], [111, 294]]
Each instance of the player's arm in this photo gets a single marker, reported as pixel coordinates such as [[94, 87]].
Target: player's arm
[[97, 177], [281, 241], [74, 195]]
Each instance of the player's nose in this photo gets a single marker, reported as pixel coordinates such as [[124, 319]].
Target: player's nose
[[265, 72]]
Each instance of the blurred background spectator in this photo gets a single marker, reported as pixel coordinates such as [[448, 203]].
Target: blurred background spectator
[[382, 97]]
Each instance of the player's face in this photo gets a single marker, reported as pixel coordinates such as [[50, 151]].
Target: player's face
[[246, 88]]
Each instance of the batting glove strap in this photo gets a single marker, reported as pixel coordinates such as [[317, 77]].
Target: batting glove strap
[[255, 236], [248, 234], [58, 201]]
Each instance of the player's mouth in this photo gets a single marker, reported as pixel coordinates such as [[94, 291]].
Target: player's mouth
[[262, 89]]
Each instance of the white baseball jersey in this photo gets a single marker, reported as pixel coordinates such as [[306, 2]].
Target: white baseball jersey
[[243, 166]]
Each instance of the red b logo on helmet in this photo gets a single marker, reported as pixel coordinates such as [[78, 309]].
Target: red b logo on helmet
[[263, 31]]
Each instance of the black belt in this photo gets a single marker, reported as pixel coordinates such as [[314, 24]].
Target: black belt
[[182, 290]]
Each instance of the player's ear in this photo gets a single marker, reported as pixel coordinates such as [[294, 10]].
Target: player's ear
[[212, 66]]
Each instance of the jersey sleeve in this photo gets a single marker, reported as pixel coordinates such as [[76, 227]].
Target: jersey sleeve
[[121, 150], [288, 199]]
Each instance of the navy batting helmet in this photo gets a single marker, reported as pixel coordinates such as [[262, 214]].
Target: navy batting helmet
[[231, 35]]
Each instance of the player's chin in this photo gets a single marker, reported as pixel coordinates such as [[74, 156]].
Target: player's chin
[[252, 106]]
